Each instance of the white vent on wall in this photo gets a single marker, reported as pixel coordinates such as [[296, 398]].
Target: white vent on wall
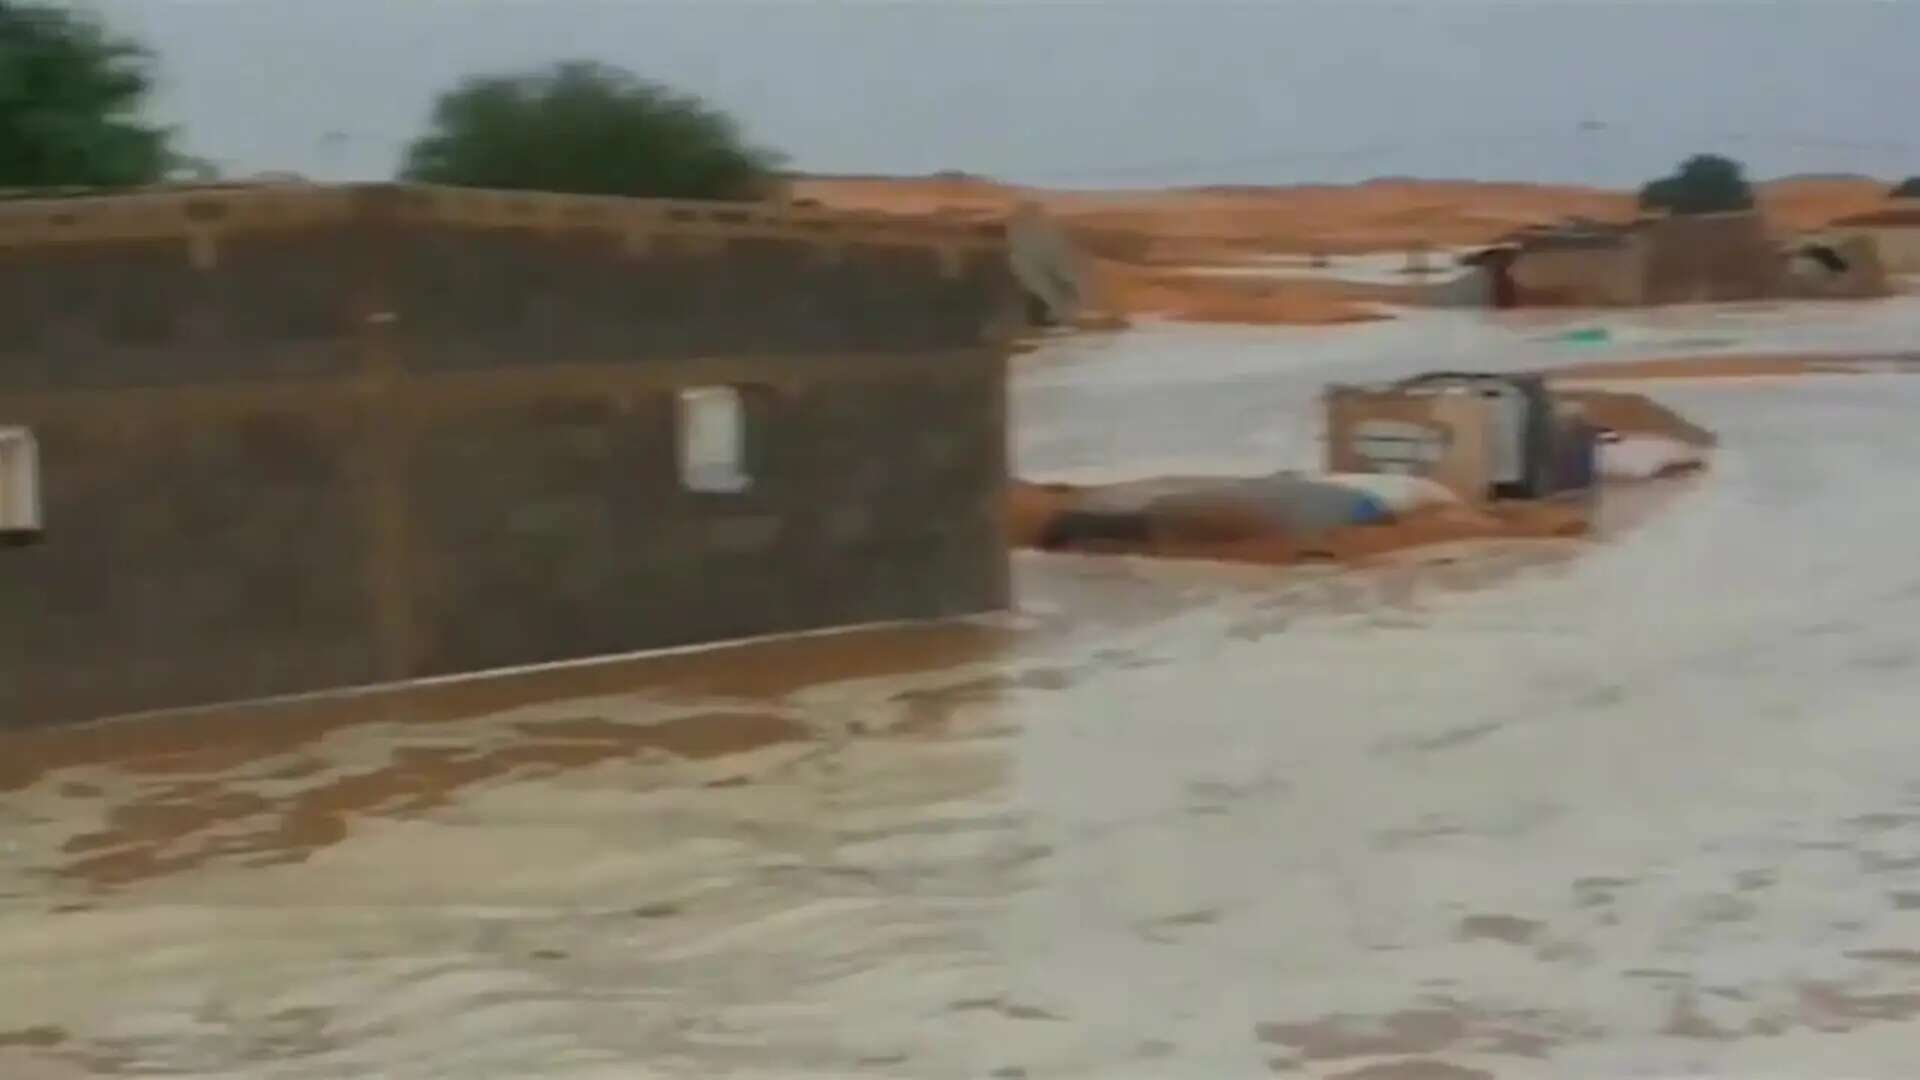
[[19, 483], [713, 441]]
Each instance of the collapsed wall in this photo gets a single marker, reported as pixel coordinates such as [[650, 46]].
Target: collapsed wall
[[305, 438]]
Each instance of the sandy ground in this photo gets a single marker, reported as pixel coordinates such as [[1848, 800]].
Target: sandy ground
[[1495, 811], [1146, 245]]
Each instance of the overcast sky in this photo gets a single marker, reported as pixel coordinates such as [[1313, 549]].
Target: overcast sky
[[1089, 92]]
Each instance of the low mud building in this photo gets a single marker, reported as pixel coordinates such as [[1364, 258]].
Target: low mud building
[[1679, 259], [1846, 267], [288, 439], [1894, 231]]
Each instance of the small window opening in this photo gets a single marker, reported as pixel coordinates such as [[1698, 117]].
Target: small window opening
[[19, 487], [713, 441]]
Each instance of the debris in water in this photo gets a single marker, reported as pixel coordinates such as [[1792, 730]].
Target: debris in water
[[1585, 335]]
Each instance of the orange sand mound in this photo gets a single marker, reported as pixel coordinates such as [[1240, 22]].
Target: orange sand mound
[[1636, 414], [1444, 524], [1187, 225], [1031, 506], [1815, 202], [1717, 367]]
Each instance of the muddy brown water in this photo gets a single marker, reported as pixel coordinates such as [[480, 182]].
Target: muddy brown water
[[1645, 805]]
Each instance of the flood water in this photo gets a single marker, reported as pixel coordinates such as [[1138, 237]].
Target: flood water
[[1368, 268], [1649, 806]]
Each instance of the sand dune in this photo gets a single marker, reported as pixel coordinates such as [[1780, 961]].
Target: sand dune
[[1142, 240], [1184, 225]]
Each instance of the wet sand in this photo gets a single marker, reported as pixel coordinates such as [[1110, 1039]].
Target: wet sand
[[1492, 810], [1761, 366], [1229, 533]]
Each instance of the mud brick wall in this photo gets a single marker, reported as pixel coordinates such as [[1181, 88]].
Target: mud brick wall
[[1712, 257], [294, 440], [184, 562], [1600, 275]]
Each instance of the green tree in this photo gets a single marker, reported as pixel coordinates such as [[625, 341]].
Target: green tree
[[586, 128], [1703, 184], [70, 96], [1906, 189]]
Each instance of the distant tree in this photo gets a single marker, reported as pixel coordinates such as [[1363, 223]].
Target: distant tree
[[591, 129], [70, 96], [1703, 184], [1906, 189]]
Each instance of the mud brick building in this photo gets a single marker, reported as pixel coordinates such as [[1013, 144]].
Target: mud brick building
[[293, 438]]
